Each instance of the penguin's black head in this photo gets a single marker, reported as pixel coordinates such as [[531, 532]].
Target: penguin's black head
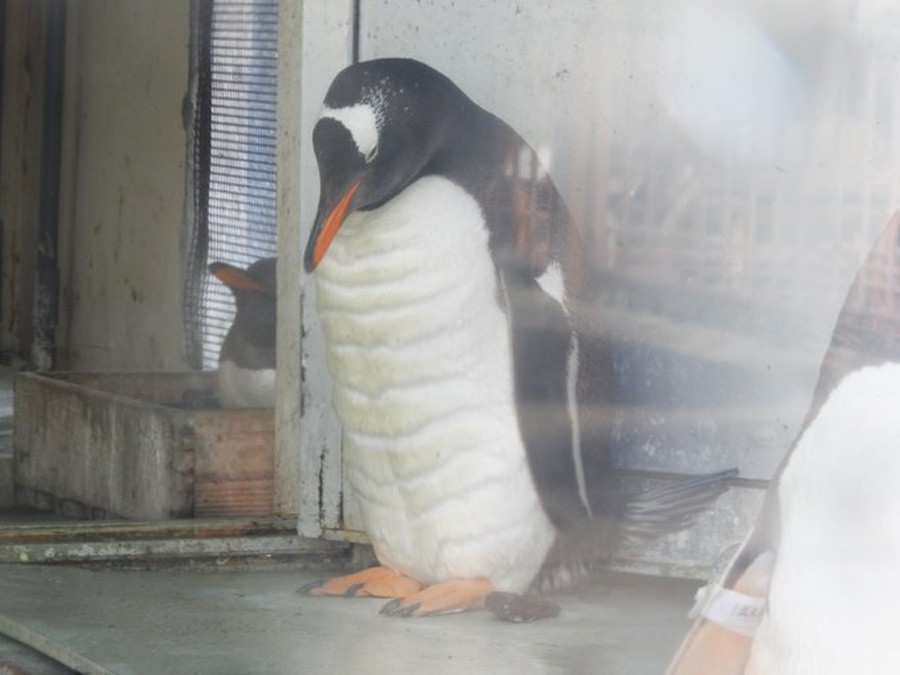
[[382, 122], [255, 298]]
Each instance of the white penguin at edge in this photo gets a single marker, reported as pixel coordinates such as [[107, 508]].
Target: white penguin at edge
[[834, 596]]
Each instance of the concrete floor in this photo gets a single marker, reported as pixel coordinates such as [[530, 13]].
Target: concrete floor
[[14, 655], [239, 622]]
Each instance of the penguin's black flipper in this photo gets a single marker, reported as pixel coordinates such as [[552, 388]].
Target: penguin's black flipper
[[543, 342], [669, 508]]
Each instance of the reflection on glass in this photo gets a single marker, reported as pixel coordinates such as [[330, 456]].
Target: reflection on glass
[[731, 162]]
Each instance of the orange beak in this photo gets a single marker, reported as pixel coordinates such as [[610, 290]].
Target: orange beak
[[322, 235], [233, 277]]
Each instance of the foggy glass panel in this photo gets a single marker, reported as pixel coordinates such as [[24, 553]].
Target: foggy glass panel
[[731, 162]]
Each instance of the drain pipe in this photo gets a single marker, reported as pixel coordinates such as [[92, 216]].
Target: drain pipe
[[46, 275]]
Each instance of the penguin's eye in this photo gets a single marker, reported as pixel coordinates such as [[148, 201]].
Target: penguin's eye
[[373, 153]]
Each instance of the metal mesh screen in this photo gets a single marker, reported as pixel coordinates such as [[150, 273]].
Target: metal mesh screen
[[234, 172]]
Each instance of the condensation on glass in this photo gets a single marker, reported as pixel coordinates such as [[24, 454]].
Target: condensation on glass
[[731, 163]]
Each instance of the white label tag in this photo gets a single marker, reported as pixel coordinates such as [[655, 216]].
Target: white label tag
[[732, 610]]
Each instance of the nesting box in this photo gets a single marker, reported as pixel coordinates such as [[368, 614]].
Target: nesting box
[[139, 445]]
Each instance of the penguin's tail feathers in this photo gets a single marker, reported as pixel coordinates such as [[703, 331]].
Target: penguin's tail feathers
[[657, 511], [631, 518]]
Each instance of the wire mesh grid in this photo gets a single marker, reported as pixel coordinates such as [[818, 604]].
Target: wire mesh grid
[[237, 178]]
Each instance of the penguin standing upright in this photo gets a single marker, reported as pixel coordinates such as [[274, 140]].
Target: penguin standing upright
[[817, 576], [246, 375], [446, 265]]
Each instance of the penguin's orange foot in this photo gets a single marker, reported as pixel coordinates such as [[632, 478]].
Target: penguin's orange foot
[[376, 582], [447, 597]]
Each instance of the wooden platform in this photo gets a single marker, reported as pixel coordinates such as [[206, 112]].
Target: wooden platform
[[142, 446]]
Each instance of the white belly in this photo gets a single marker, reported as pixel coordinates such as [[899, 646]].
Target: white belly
[[245, 388], [419, 351], [833, 602]]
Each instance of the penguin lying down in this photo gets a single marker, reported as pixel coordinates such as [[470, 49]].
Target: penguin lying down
[[246, 374], [815, 587], [449, 279]]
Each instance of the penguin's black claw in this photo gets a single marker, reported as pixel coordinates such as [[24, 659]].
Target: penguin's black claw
[[396, 608], [378, 581], [353, 591], [520, 608], [311, 586], [447, 597]]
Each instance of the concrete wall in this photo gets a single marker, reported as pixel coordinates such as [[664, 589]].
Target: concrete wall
[[20, 167], [123, 186]]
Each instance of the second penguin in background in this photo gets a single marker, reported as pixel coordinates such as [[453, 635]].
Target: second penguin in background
[[246, 376]]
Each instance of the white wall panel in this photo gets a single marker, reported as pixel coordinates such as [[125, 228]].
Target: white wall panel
[[127, 75]]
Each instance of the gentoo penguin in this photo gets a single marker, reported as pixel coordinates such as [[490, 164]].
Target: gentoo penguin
[[447, 270], [246, 375], [816, 581]]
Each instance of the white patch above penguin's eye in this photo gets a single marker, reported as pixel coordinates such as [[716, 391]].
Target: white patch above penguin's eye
[[362, 123]]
